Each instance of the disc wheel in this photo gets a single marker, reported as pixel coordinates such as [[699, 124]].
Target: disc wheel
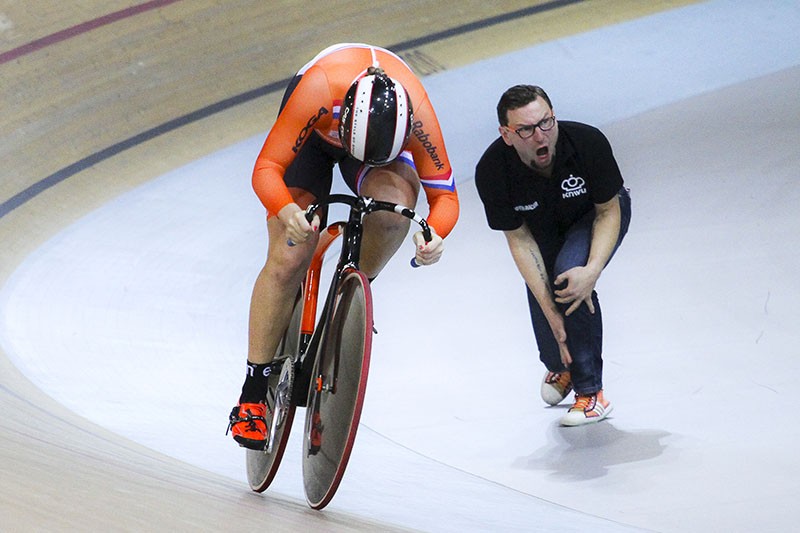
[[337, 391], [262, 465]]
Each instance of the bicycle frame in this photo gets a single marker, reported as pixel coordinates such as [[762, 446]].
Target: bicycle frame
[[350, 255]]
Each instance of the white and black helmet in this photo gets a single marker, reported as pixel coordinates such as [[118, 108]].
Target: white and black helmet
[[376, 119]]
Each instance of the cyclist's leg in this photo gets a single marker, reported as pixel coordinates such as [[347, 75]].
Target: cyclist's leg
[[384, 232], [272, 299], [308, 177], [276, 287]]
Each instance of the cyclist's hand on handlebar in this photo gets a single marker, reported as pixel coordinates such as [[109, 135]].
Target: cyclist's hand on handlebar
[[428, 253], [298, 229]]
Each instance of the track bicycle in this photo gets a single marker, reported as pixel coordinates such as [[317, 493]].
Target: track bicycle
[[322, 364]]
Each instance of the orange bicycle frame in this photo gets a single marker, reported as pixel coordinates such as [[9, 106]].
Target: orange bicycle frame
[[311, 292]]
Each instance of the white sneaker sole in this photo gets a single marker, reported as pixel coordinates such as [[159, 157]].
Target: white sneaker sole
[[575, 418]]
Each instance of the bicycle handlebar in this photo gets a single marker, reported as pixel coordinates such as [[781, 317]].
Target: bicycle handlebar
[[366, 205]]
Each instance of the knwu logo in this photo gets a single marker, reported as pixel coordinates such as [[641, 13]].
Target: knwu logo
[[573, 186]]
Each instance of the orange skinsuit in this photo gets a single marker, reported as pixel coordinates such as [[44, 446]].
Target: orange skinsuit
[[314, 108]]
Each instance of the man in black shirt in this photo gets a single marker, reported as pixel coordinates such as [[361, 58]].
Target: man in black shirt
[[555, 190]]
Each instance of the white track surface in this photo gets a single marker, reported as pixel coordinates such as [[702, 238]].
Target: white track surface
[[135, 317]]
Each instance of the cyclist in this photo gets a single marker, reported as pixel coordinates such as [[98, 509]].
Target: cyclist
[[362, 108]]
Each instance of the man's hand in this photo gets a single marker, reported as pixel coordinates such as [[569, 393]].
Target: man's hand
[[428, 253], [580, 282], [298, 230], [557, 326]]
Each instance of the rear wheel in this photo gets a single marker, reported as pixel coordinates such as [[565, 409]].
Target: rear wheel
[[336, 395], [262, 465]]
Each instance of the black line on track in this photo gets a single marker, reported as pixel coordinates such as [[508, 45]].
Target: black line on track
[[54, 179]]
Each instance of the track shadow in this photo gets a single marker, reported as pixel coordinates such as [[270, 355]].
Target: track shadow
[[588, 452]]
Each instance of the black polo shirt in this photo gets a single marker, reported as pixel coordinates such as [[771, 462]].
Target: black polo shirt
[[584, 173]]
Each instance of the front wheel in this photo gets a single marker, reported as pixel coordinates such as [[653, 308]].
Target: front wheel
[[336, 395]]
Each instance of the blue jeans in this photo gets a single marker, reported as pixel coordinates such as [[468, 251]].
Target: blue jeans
[[584, 329]]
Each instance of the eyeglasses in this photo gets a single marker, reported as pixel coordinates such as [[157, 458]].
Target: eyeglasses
[[527, 131]]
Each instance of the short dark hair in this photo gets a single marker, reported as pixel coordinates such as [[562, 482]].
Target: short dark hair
[[519, 96]]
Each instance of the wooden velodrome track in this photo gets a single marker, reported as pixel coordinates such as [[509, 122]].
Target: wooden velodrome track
[[99, 97]]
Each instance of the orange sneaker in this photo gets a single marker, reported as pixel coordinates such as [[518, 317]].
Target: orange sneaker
[[248, 423], [587, 408], [556, 387]]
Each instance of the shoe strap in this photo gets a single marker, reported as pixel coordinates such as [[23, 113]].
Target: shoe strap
[[236, 417]]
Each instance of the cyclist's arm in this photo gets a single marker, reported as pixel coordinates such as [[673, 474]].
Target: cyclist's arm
[[435, 173], [444, 209], [308, 108]]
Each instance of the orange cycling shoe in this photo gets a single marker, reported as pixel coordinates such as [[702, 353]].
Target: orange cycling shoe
[[248, 423]]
